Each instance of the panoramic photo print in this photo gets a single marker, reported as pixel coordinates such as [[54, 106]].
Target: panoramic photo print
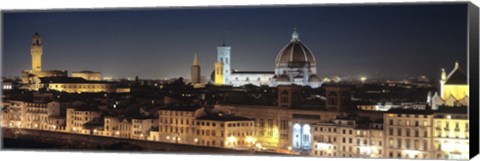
[[327, 81]]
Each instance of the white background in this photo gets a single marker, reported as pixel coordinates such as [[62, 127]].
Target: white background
[[86, 156]]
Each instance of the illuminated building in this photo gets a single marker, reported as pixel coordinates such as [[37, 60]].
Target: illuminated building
[[78, 117], [346, 137], [36, 51], [141, 127], [257, 78], [296, 64], [117, 126], [223, 56], [408, 133], [13, 113], [193, 125], [451, 133], [222, 130], [33, 115], [75, 85], [87, 75], [453, 89], [176, 124]]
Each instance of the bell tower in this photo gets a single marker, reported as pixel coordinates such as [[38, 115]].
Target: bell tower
[[223, 56], [36, 51]]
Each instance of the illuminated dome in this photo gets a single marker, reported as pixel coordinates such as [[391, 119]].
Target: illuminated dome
[[314, 78], [295, 54], [283, 78]]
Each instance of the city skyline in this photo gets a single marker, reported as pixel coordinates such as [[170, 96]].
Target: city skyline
[[421, 40]]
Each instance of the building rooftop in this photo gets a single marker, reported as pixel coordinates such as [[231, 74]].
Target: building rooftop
[[181, 108], [85, 71], [452, 110], [457, 77], [223, 117], [252, 72], [71, 80], [409, 111]]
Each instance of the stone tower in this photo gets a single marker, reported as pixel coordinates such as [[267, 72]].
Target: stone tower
[[195, 71], [223, 56], [36, 52]]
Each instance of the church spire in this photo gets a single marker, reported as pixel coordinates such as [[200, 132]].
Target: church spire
[[444, 74], [295, 36], [195, 59]]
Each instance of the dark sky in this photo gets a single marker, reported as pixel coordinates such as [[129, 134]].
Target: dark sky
[[377, 41]]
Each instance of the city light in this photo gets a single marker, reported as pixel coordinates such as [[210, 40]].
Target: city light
[[323, 146], [411, 153], [363, 78], [250, 140]]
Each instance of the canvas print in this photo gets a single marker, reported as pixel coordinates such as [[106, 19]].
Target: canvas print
[[327, 81]]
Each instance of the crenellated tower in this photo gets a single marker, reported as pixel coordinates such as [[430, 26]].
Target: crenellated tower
[[36, 51]]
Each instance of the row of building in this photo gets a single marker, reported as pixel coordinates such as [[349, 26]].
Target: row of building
[[442, 133]]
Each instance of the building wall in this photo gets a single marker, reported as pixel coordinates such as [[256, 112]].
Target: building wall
[[219, 73], [457, 91], [258, 79], [77, 118], [451, 136], [176, 126], [141, 128], [273, 125], [83, 87], [223, 56], [408, 135]]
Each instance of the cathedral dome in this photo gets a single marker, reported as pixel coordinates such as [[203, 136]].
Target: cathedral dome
[[314, 78], [295, 54]]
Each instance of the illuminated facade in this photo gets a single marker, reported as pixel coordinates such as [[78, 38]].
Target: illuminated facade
[[220, 130], [34, 115], [141, 127], [75, 85], [177, 124], [218, 74], [408, 133], [454, 89], [119, 127], [345, 137], [257, 78], [192, 125], [451, 133], [78, 117]]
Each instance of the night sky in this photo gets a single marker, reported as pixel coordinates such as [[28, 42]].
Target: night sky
[[388, 42]]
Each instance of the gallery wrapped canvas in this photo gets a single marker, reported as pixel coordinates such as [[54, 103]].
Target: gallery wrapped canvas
[[329, 81]]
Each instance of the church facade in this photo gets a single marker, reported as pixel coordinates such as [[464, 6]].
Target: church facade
[[453, 89]]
